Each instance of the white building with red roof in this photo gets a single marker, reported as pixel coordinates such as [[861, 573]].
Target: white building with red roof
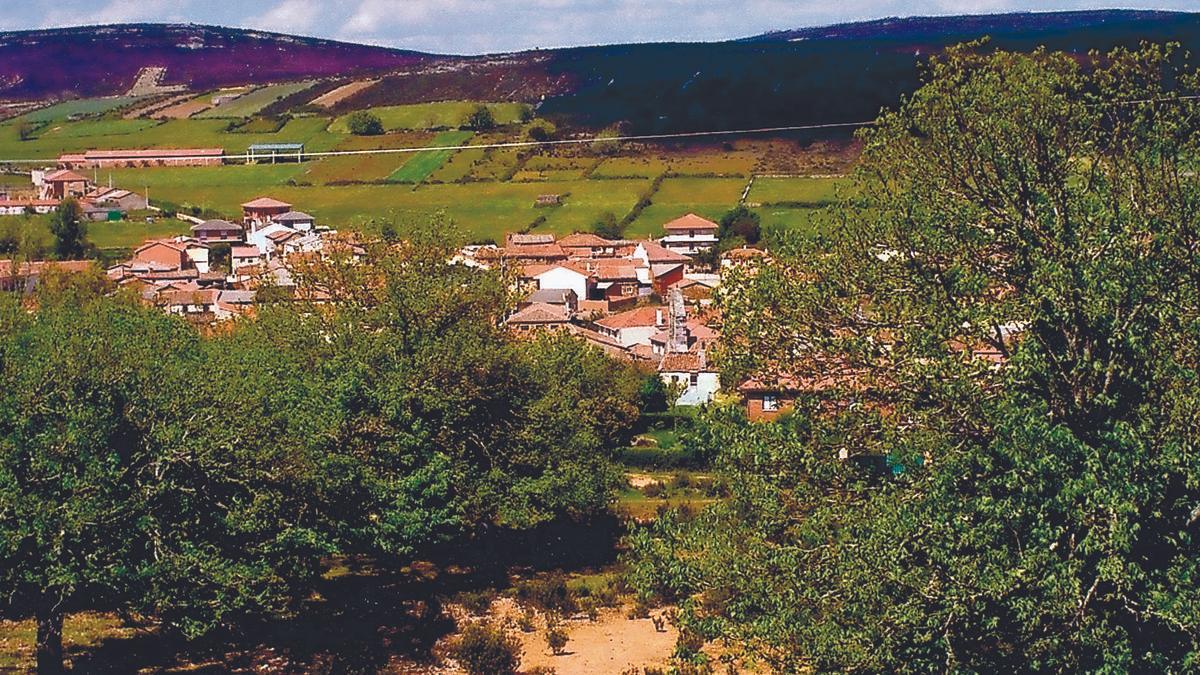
[[690, 234]]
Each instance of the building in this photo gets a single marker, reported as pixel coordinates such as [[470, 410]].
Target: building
[[262, 211], [564, 276], [101, 159], [690, 234], [547, 200], [218, 231], [559, 297], [24, 277], [243, 256], [60, 184], [17, 207], [282, 152], [540, 316], [116, 199], [297, 220], [584, 245], [697, 381], [635, 326], [176, 253]]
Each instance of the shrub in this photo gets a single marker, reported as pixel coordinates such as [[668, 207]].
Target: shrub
[[363, 123], [525, 621], [656, 489], [484, 649], [549, 593], [680, 481], [476, 602], [481, 119], [556, 639]]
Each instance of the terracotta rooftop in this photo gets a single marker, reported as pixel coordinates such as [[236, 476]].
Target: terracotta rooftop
[[690, 222], [266, 203], [64, 176], [216, 224], [530, 239], [543, 251], [585, 240], [244, 251], [684, 362], [659, 254], [634, 318]]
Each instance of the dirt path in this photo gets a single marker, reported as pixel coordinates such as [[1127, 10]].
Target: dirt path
[[611, 645]]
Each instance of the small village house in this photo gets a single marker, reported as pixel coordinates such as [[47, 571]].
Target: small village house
[[540, 316], [690, 234], [697, 380], [261, 212], [635, 326], [218, 231]]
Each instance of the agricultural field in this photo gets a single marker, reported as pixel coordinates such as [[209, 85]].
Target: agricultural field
[[551, 168], [434, 115], [422, 164], [336, 96], [128, 234], [250, 103], [587, 201], [83, 107], [640, 167], [708, 197], [812, 192], [95, 127]]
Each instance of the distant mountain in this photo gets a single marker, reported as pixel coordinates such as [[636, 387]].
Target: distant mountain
[[102, 60], [807, 76], [1021, 24]]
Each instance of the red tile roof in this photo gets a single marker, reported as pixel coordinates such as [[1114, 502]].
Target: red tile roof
[[152, 153], [659, 254], [244, 251], [690, 222], [64, 176], [685, 362], [642, 317], [535, 251], [265, 203], [585, 240]]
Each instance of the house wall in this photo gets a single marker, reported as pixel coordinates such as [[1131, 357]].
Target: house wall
[[754, 407], [162, 254], [661, 284], [560, 279], [706, 387], [637, 335]]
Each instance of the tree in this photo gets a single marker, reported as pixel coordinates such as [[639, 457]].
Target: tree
[[26, 130], [739, 224], [363, 123], [112, 489], [608, 227], [1013, 297], [481, 119], [69, 230], [484, 649], [541, 130]]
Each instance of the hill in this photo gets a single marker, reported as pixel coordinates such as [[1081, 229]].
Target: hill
[[105, 60], [807, 76]]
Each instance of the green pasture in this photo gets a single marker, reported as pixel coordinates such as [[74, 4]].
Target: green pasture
[[422, 164], [433, 115], [707, 197], [94, 127], [641, 167], [86, 106], [802, 191], [254, 101], [587, 201]]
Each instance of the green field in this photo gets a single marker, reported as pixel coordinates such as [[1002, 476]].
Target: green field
[[708, 197], [95, 127], [801, 191], [131, 233], [422, 164], [249, 104], [434, 115], [87, 106]]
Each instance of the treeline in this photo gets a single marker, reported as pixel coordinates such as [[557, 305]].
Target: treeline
[[200, 479], [992, 465]]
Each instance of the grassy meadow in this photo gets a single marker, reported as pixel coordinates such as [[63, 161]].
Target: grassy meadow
[[485, 192], [434, 115]]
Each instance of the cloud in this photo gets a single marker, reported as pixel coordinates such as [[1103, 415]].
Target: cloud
[[117, 11], [289, 16]]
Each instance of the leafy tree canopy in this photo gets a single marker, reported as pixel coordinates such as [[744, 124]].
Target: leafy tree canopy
[[1011, 305]]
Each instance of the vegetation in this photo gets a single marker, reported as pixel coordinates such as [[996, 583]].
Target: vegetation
[[392, 420], [363, 123], [1017, 315], [608, 227], [69, 230], [480, 119], [484, 649], [739, 226]]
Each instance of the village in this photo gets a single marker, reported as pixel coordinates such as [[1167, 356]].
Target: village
[[645, 301]]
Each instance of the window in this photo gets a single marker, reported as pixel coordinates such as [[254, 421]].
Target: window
[[770, 403], [694, 379]]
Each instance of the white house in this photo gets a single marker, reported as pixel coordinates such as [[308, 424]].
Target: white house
[[264, 238], [634, 327], [690, 234], [690, 372], [243, 256], [565, 277]]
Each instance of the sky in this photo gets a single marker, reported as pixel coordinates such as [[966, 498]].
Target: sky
[[479, 26]]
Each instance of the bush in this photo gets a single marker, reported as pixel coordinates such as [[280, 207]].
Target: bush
[[549, 593], [476, 602], [363, 123], [556, 639], [608, 227], [652, 490], [481, 119], [484, 649]]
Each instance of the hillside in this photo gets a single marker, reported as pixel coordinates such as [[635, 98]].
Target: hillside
[[105, 60], [813, 75]]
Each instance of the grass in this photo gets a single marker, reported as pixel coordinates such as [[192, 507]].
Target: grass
[[814, 192], [642, 167], [422, 164], [434, 115], [99, 127], [86, 106], [82, 631], [249, 104], [707, 197], [588, 201], [129, 234]]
